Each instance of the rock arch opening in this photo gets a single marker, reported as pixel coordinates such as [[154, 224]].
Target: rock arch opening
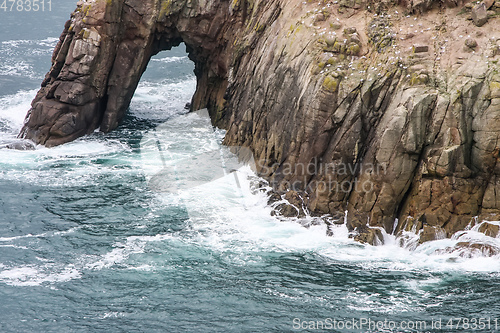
[[166, 87], [103, 52]]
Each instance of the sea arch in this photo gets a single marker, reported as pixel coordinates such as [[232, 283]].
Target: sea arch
[[105, 48]]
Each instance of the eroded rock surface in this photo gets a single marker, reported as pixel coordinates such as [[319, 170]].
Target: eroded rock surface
[[377, 107]]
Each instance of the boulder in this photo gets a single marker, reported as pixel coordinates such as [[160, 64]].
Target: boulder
[[367, 235], [292, 207], [429, 233], [470, 43], [472, 250], [489, 229], [488, 3], [480, 14], [21, 145]]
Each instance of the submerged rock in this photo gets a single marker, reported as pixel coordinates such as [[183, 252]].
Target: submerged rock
[[431, 233], [291, 204], [372, 236], [20, 145], [472, 250], [489, 229]]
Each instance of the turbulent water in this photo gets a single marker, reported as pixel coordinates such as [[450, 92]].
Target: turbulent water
[[89, 244]]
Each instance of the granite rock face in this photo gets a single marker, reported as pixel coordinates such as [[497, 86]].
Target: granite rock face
[[374, 107], [105, 48]]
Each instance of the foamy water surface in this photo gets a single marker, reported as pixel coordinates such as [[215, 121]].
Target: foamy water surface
[[88, 244]]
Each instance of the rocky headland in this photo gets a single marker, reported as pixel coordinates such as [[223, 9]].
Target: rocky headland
[[387, 109]]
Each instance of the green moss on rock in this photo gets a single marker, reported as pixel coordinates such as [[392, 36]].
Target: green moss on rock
[[380, 33], [495, 89], [353, 49], [338, 47], [330, 84], [418, 79]]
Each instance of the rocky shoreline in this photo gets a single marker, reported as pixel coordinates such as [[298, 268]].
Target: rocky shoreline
[[387, 109]]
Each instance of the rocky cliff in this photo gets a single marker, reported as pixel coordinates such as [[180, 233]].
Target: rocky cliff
[[388, 109]]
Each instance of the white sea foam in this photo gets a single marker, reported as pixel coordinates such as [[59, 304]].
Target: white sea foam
[[49, 42], [123, 250], [238, 224], [44, 234], [227, 217], [112, 314], [13, 109], [168, 60], [162, 100], [16, 57], [224, 214], [20, 68], [44, 270], [78, 155], [35, 276]]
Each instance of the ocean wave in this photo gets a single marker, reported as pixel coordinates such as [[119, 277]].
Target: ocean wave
[[13, 109], [42, 235], [72, 164], [21, 68], [244, 226], [20, 58], [123, 250], [168, 60], [228, 216], [162, 100], [31, 275], [47, 42]]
